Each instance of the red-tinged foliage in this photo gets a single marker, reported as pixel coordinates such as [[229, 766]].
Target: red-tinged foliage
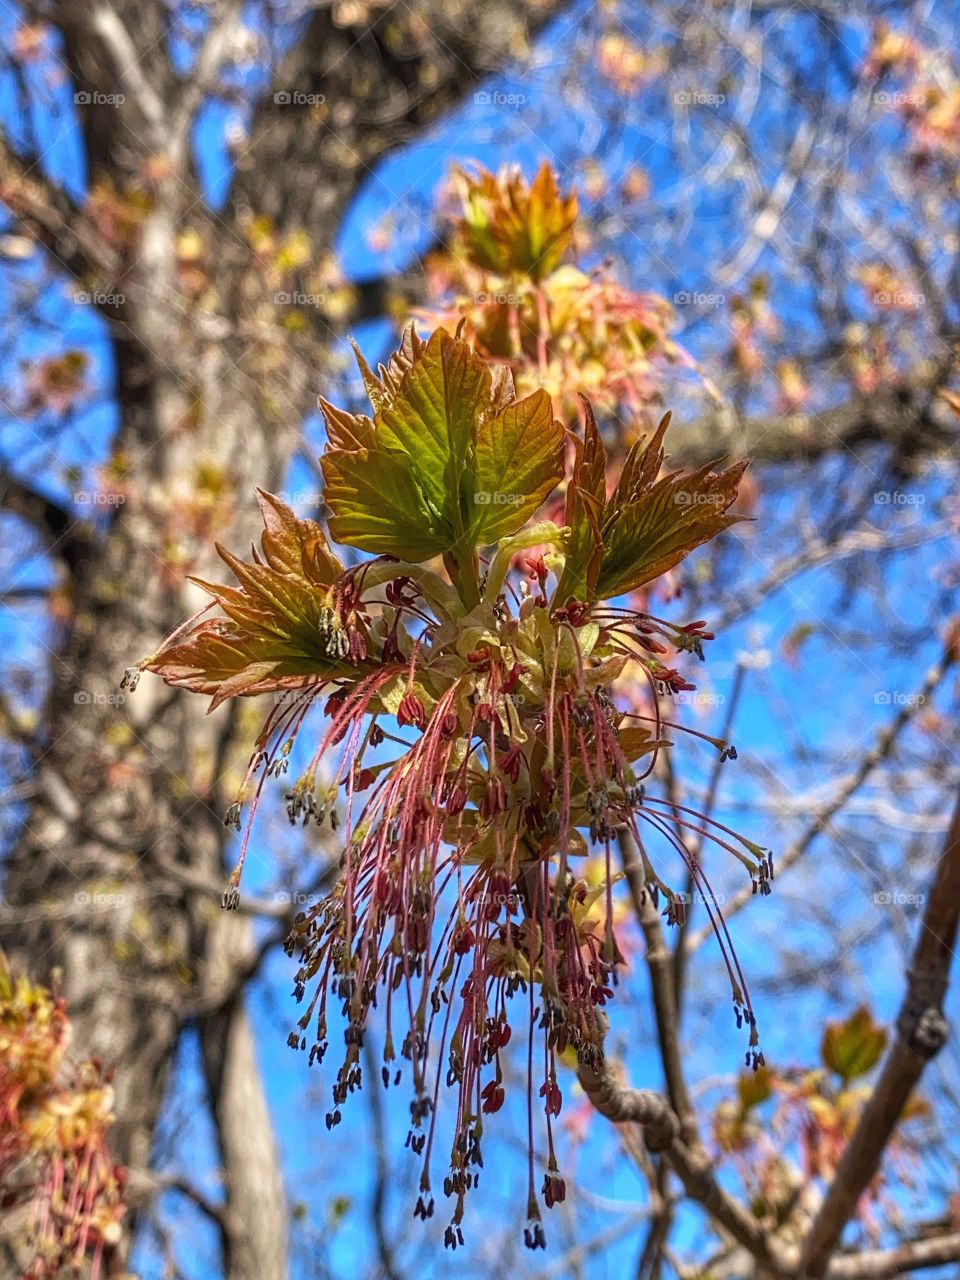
[[291, 617], [510, 276], [794, 1123], [54, 1118], [477, 747]]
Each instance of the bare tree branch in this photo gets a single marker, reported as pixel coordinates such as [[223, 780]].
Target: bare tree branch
[[621, 1104], [660, 965], [107, 23], [880, 1264], [921, 1033], [47, 213], [904, 416], [824, 815], [69, 539]]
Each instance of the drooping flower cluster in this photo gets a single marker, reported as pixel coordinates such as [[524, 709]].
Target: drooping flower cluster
[[54, 1117], [478, 750]]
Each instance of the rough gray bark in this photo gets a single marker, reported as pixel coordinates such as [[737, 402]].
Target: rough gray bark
[[255, 1236], [127, 817]]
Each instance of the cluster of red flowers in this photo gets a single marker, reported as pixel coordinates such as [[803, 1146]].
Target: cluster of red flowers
[[480, 749]]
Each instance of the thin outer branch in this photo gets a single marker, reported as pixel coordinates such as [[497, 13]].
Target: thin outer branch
[[879, 752], [47, 212], [213, 53], [895, 415], [64, 536], [107, 24], [660, 965], [921, 1033], [881, 1264], [661, 1127]]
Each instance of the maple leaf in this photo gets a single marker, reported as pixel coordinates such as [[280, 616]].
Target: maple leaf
[[586, 497], [514, 753], [853, 1047], [648, 524], [282, 625], [450, 460], [518, 464]]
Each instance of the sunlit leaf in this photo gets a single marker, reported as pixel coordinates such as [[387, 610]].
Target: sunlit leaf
[[433, 418], [518, 464], [650, 525], [280, 629], [754, 1087], [853, 1047], [292, 545], [586, 495], [512, 226], [377, 505], [450, 459]]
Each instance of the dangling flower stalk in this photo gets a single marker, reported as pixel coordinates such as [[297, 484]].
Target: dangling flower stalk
[[473, 717]]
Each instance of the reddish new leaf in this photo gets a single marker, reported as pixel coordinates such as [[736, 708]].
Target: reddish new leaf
[[650, 525]]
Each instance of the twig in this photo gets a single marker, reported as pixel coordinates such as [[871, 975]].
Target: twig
[[108, 25], [921, 1033], [880, 751], [880, 1264], [660, 965], [661, 1130]]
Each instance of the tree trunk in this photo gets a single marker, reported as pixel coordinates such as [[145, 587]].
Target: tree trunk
[[131, 792], [255, 1238]]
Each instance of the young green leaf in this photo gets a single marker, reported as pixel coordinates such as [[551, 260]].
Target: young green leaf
[[450, 460], [433, 418], [518, 464], [377, 505], [853, 1047], [512, 227], [280, 629]]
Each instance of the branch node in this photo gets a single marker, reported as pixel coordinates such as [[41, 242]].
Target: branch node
[[921, 1024]]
